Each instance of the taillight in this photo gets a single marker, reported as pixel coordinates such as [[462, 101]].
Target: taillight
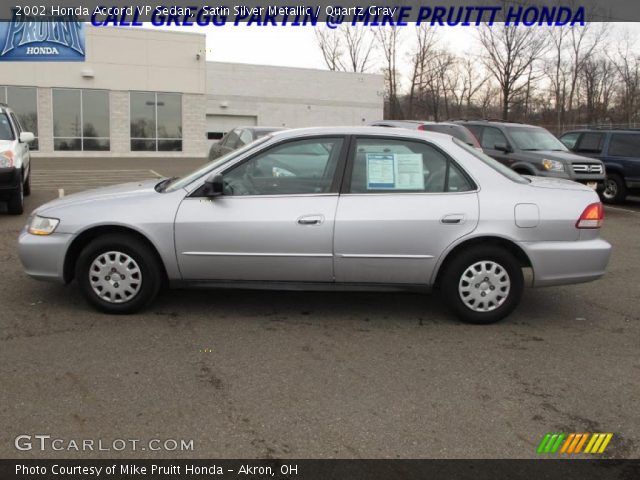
[[422, 127], [591, 217]]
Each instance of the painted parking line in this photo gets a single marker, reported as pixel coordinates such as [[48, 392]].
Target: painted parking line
[[622, 209]]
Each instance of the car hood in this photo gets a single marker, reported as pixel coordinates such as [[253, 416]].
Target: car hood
[[561, 183], [125, 190], [566, 157]]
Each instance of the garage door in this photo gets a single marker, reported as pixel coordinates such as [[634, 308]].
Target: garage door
[[218, 125]]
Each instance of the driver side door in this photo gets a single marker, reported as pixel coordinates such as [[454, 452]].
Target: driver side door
[[274, 221]]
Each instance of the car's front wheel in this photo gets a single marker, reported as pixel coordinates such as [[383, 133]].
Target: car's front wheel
[[118, 274], [615, 191], [483, 284], [15, 205]]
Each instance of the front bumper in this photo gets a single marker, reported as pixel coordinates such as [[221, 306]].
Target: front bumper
[[43, 256], [560, 263], [9, 179]]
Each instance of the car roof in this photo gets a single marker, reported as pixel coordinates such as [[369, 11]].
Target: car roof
[[364, 131], [502, 123], [603, 130]]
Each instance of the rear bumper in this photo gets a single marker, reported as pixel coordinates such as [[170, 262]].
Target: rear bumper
[[560, 263], [43, 256]]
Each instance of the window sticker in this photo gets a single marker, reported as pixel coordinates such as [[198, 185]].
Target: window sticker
[[380, 171], [395, 171]]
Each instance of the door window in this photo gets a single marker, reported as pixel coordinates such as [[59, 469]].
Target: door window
[[570, 139], [590, 143], [385, 165], [625, 145], [299, 167], [491, 137]]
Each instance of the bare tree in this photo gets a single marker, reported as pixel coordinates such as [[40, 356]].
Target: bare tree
[[509, 54], [389, 40], [330, 43], [426, 40], [360, 46], [627, 65]]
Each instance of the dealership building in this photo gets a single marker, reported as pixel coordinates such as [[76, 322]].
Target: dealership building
[[145, 92]]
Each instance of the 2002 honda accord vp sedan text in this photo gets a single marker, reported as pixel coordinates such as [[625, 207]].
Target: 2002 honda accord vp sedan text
[[347, 208]]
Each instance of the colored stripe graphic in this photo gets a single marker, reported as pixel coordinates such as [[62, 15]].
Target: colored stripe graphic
[[573, 443]]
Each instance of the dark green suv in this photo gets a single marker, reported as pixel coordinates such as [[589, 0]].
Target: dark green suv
[[620, 152], [531, 150]]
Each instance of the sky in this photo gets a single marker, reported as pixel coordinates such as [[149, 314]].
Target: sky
[[297, 46]]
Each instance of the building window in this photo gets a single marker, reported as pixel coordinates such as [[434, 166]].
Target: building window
[[81, 120], [156, 122], [23, 101]]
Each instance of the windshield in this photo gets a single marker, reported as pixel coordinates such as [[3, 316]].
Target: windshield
[[181, 182], [497, 166], [535, 138], [5, 128]]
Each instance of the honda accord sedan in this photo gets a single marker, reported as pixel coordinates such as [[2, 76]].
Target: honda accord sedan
[[327, 208]]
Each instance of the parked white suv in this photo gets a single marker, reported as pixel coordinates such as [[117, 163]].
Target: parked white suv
[[15, 165]]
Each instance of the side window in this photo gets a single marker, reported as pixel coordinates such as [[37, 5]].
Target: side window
[[476, 130], [232, 140], [624, 145], [491, 137], [245, 137], [385, 165], [457, 181], [569, 139], [299, 167], [590, 143]]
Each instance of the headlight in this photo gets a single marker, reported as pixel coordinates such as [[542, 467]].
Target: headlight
[[6, 159], [42, 225], [553, 165]]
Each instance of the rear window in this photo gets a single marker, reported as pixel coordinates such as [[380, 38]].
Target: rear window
[[625, 145], [497, 166], [6, 132]]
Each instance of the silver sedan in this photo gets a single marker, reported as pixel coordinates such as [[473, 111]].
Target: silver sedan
[[326, 208]]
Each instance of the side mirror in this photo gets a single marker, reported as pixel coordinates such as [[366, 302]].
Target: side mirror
[[27, 137], [503, 147], [213, 186]]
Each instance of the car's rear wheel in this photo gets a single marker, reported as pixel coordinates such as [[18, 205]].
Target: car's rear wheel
[[15, 205], [118, 274], [615, 191], [483, 284]]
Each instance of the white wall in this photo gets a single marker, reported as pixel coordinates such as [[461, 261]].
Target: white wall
[[293, 97]]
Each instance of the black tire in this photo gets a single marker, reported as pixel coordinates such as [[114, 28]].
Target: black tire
[[615, 191], [27, 185], [150, 274], [15, 205], [452, 277]]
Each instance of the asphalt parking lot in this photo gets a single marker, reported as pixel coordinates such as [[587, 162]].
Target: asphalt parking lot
[[314, 375]]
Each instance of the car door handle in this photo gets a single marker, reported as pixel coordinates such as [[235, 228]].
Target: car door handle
[[453, 219], [311, 220]]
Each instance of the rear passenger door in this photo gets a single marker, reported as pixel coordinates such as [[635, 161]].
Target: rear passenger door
[[403, 202]]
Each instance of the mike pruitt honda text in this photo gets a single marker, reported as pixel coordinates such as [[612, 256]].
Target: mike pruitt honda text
[[153, 469]]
